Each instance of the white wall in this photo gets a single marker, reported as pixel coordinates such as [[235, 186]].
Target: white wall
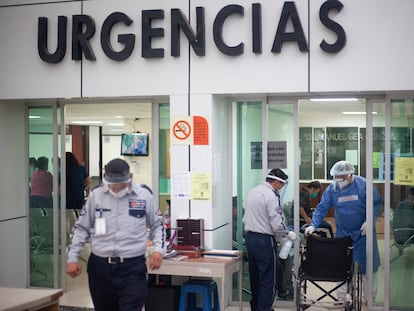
[[94, 140], [376, 31], [13, 208], [22, 73], [111, 148]]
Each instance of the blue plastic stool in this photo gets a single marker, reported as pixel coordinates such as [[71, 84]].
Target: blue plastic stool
[[207, 288]]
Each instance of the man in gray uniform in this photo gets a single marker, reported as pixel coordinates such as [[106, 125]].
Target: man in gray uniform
[[115, 221], [263, 220]]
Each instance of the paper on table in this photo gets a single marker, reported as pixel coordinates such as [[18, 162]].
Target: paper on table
[[223, 253]]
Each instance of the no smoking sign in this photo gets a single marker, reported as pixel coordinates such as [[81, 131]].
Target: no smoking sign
[[190, 131]]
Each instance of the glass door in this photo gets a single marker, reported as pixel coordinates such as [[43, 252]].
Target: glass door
[[263, 138], [164, 167], [401, 212], [44, 179], [281, 144], [247, 158]]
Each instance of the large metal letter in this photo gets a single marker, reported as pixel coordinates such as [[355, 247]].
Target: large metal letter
[[335, 27], [289, 11], [42, 49], [179, 21], [80, 38], [218, 30], [127, 39], [148, 33], [257, 27]]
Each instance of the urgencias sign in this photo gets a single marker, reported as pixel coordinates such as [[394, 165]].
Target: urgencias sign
[[84, 28]]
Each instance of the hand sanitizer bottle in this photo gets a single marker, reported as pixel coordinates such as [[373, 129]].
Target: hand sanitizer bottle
[[284, 251]]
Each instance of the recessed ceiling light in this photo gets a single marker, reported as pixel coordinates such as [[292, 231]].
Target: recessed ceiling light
[[347, 99], [357, 112], [86, 122], [119, 117], [115, 124]]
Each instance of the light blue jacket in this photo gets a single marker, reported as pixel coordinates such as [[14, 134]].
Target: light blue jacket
[[350, 213]]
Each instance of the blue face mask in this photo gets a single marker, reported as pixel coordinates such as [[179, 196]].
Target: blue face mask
[[313, 195]]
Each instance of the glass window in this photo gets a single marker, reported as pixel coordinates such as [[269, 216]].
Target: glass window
[[164, 165], [247, 161], [402, 205], [249, 166], [41, 210], [280, 151]]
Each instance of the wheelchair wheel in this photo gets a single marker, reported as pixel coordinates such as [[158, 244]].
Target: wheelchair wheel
[[301, 304], [299, 285], [357, 288]]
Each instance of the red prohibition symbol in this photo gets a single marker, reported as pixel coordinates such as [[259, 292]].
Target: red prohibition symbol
[[182, 130]]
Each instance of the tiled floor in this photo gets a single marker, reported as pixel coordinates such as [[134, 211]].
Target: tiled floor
[[77, 297]]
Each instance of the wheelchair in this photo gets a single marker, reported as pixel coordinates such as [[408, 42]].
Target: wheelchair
[[324, 260]]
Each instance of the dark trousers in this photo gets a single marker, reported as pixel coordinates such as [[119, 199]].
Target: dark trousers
[[117, 286], [262, 256]]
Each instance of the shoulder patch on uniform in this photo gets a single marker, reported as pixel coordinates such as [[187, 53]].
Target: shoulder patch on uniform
[[146, 187]]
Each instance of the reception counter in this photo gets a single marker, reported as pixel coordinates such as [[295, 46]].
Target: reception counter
[[17, 299]]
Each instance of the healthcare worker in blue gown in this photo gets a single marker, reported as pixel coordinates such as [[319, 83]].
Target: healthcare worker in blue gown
[[347, 195]]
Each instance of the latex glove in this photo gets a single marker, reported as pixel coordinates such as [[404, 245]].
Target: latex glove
[[309, 230], [291, 236], [364, 228]]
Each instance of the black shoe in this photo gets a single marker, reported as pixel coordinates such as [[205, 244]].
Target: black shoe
[[285, 295]]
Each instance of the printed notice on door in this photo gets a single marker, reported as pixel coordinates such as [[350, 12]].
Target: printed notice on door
[[200, 186], [404, 171], [180, 185]]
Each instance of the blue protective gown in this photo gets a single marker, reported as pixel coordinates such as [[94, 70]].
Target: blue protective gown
[[350, 213]]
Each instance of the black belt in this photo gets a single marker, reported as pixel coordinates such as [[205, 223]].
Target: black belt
[[258, 233], [117, 260]]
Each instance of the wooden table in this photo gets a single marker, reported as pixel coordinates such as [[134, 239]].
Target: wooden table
[[17, 299], [206, 267]]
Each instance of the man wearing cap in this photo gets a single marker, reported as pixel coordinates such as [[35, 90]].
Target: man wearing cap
[[263, 220], [115, 221], [347, 195]]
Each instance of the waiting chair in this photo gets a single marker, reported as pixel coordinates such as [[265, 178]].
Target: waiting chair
[[403, 235], [41, 242]]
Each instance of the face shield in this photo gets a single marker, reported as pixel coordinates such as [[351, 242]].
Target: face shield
[[285, 193]]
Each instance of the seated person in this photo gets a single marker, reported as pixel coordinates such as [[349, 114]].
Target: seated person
[[308, 192], [41, 185], [404, 218]]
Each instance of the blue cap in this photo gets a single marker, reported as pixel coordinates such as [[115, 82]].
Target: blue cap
[[117, 172]]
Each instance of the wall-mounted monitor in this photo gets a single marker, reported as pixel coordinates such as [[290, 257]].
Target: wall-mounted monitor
[[134, 144]]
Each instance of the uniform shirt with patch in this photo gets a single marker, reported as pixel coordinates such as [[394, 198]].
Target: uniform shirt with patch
[[126, 221]]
